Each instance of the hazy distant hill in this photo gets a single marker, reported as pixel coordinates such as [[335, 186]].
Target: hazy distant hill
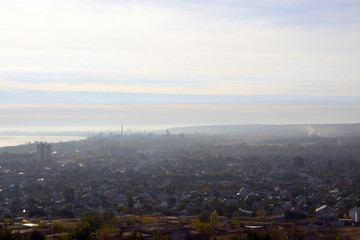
[[324, 130]]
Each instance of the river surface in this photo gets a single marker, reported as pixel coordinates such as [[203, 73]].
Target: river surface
[[11, 140]]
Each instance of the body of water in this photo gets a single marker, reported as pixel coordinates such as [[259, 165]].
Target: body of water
[[11, 140]]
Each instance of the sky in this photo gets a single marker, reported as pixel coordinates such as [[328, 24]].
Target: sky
[[97, 64]]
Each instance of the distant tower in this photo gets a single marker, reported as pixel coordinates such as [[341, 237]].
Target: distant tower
[[122, 130], [43, 152]]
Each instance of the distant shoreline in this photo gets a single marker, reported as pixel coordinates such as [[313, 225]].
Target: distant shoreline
[[17, 140]]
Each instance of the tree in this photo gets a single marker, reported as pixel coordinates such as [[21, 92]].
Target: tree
[[36, 212], [159, 236], [85, 232], [108, 215], [261, 212], [130, 204], [216, 204], [36, 234], [69, 193], [338, 236], [57, 227], [205, 228], [109, 221], [6, 234], [204, 217], [213, 218], [66, 212], [94, 219], [171, 201], [229, 210]]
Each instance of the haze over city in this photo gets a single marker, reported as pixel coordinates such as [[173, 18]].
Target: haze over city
[[152, 64], [180, 120]]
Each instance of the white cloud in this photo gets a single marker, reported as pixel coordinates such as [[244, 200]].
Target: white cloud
[[198, 46]]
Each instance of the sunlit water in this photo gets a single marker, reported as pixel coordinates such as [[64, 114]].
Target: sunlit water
[[10, 140]]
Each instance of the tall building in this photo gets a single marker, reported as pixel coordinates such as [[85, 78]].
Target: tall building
[[43, 152]]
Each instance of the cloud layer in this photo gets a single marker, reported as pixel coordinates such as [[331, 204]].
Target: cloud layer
[[272, 47], [158, 52]]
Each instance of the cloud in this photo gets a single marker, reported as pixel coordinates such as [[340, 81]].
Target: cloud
[[227, 47]]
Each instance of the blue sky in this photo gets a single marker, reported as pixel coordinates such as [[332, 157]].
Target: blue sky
[[173, 63]]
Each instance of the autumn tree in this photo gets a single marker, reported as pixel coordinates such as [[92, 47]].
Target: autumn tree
[[213, 218]]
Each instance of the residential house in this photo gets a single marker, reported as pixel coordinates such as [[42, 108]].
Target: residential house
[[243, 192], [326, 214]]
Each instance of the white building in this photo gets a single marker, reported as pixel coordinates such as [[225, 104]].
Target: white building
[[354, 213]]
